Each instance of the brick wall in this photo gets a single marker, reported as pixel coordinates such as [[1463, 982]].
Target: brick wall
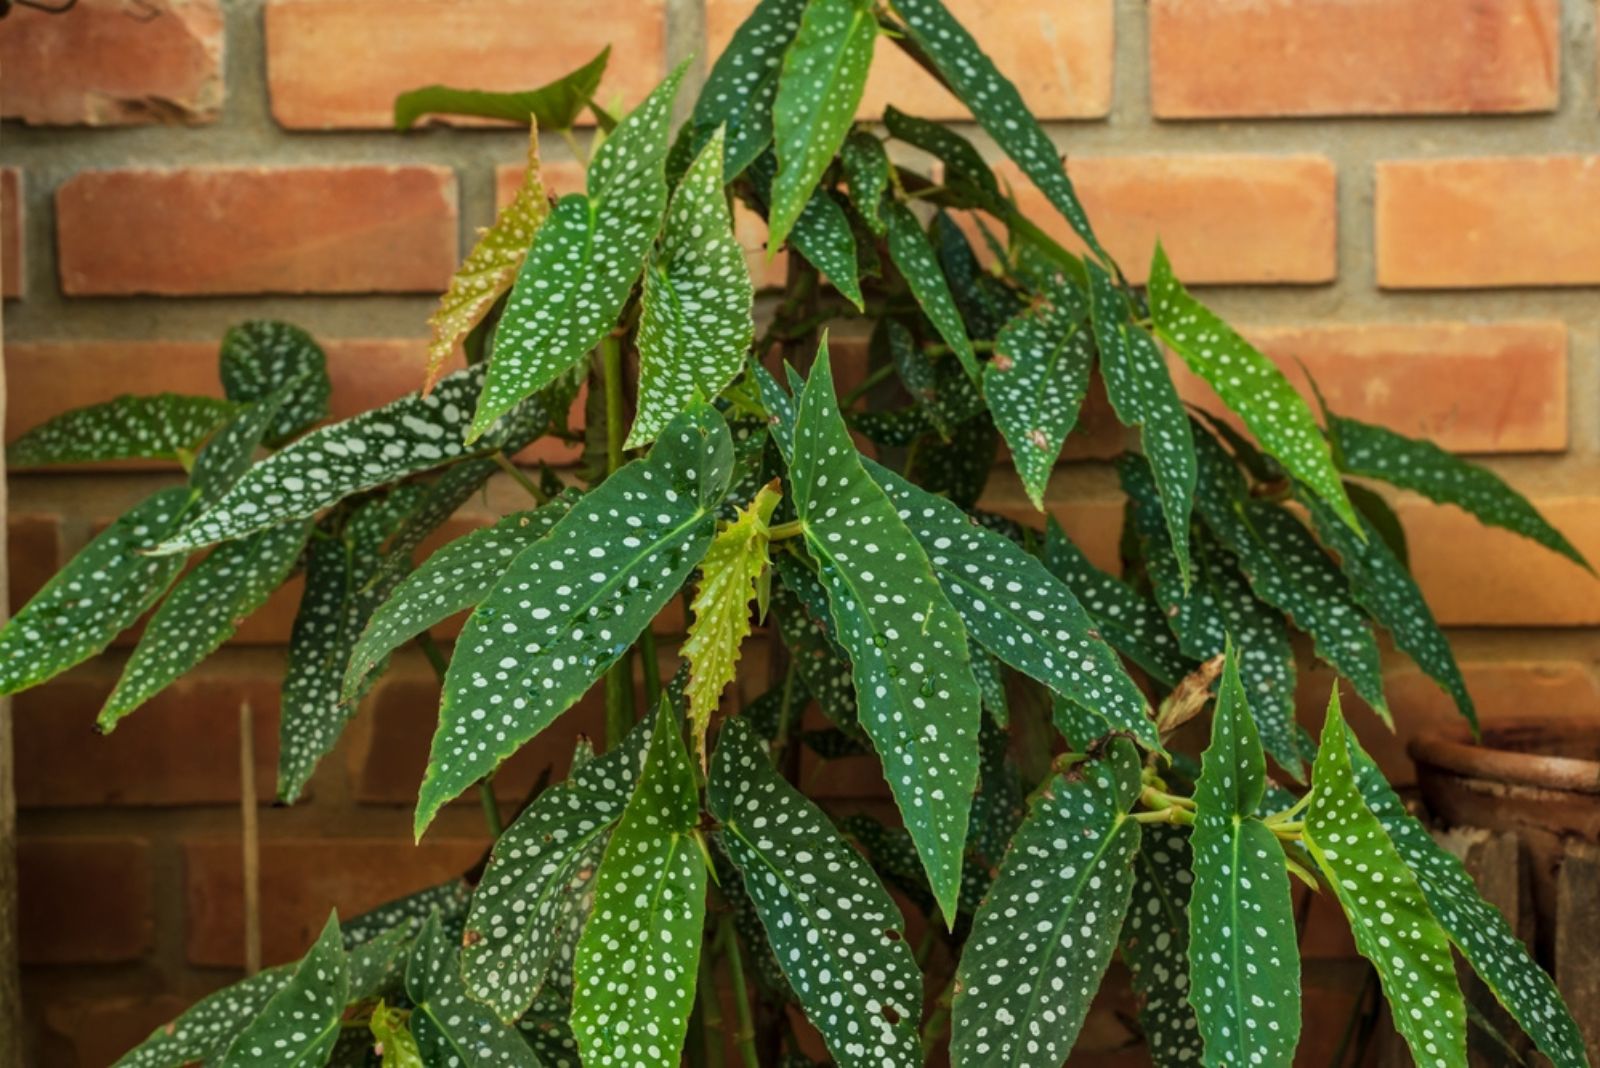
[[1398, 194]]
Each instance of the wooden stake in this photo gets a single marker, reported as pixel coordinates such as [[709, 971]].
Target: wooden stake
[[252, 841]]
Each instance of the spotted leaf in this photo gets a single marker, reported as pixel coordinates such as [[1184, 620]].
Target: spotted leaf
[[449, 1026], [695, 326], [100, 593], [166, 426], [940, 388], [958, 469], [1155, 945], [914, 258], [263, 357], [202, 1033], [584, 261], [1042, 940], [456, 485], [823, 667], [1388, 913], [409, 913], [964, 165], [300, 1024], [1243, 956], [914, 689], [547, 1028], [866, 168], [821, 233], [554, 106], [232, 449], [838, 936], [638, 955], [985, 301], [571, 603]]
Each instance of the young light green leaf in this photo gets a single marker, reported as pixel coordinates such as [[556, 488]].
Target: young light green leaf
[[571, 603], [584, 261], [391, 1034], [1422, 467], [1243, 956], [1037, 379], [555, 106], [964, 165], [823, 75], [449, 1026], [166, 426], [639, 953], [917, 697], [914, 258], [300, 1024], [1042, 940], [263, 357], [837, 934], [696, 324], [1155, 945], [101, 592], [1388, 913], [204, 1030], [866, 168]]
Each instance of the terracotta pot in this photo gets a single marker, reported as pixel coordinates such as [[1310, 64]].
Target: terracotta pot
[[1538, 778]]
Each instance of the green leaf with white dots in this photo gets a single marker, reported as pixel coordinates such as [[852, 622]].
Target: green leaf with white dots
[[837, 934], [866, 169], [1155, 945], [1042, 940], [695, 326], [1037, 379], [204, 1030], [958, 469], [964, 165], [1248, 383], [823, 667], [824, 72], [450, 1027], [454, 487], [1476, 927], [166, 426], [228, 455], [1388, 913], [261, 357], [1243, 956], [584, 261], [940, 387], [1013, 606], [571, 603], [821, 233], [409, 913], [639, 953], [300, 1024], [1422, 467], [101, 592], [914, 258], [547, 1028], [917, 698], [986, 302]]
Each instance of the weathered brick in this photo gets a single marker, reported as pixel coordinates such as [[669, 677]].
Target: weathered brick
[[301, 879], [13, 277], [1058, 54], [327, 69], [1469, 387], [98, 1030], [84, 900], [1093, 522], [106, 64], [220, 230], [1223, 58], [33, 554], [1490, 221]]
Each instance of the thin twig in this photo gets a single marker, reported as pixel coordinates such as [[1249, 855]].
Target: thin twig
[[250, 832]]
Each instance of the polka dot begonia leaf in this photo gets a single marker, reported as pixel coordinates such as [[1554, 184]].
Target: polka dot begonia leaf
[[1036, 381], [640, 951], [409, 913], [990, 674], [584, 261], [300, 1024], [230, 452], [908, 649], [914, 258], [1244, 960], [1478, 930], [1014, 607], [523, 898], [262, 357], [377, 968], [451, 1028], [1078, 725], [204, 1030], [1044, 936], [165, 426], [453, 579], [866, 169], [892, 426], [821, 233], [940, 388], [1422, 467], [695, 322], [893, 856], [819, 86], [547, 1028], [837, 934], [1389, 916], [958, 469], [780, 407], [985, 301], [1248, 383], [1155, 946], [823, 667], [101, 592], [454, 487], [964, 165], [571, 603]]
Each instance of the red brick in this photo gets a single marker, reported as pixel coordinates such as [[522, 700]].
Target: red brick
[[301, 879], [81, 1031], [1224, 58], [1491, 221], [1092, 521], [84, 900], [33, 554], [219, 230], [1469, 387], [13, 279], [105, 63], [328, 69], [1059, 55]]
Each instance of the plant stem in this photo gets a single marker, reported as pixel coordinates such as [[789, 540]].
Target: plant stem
[[652, 669], [436, 658], [520, 478], [785, 704], [937, 1020], [878, 375], [619, 678], [745, 1037], [783, 531]]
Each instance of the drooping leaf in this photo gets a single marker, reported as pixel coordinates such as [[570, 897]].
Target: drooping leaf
[[449, 1025], [204, 1030], [440, 500], [639, 953], [940, 388], [866, 168], [547, 1028], [914, 258], [964, 165], [232, 449], [837, 934], [263, 357], [300, 1024], [895, 427], [997, 811], [555, 106], [819, 86], [1381, 516], [1243, 956], [695, 324], [990, 674], [916, 694], [100, 593], [1155, 945], [584, 261], [985, 301], [1042, 940], [1388, 914], [571, 603], [165, 426], [409, 913], [377, 968], [821, 233]]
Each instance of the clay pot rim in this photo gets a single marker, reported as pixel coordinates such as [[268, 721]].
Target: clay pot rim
[[1453, 749]]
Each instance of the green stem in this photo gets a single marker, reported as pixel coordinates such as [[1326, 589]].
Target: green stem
[[937, 1021], [784, 706], [783, 531], [878, 375], [745, 1038], [436, 658], [520, 478], [619, 678], [652, 669]]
